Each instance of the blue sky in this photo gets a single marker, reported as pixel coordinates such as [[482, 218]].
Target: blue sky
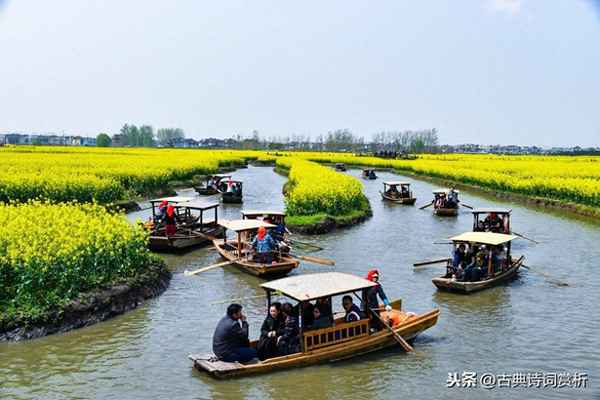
[[488, 71]]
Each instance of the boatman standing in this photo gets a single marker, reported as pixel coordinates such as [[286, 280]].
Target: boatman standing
[[372, 302], [230, 340]]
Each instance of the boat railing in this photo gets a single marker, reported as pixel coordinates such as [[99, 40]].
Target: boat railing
[[318, 338]]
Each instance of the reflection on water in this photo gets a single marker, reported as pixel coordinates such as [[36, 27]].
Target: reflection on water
[[531, 324]]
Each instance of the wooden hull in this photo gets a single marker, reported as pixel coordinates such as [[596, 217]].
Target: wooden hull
[[277, 270], [203, 191], [402, 200], [446, 212], [371, 178], [180, 241], [231, 199], [409, 329], [447, 284]]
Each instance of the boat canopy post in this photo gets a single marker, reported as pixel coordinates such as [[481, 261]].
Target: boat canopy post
[[201, 220], [300, 325]]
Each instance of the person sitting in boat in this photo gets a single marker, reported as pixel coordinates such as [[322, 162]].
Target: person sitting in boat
[[405, 193], [289, 340], [459, 256], [171, 221], [267, 344], [263, 245], [474, 271], [440, 201], [320, 321], [324, 305], [372, 302], [353, 313], [393, 191], [452, 201], [230, 340], [372, 174], [493, 223], [307, 313]]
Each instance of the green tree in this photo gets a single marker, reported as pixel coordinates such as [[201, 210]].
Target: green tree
[[146, 136], [103, 140], [168, 137]]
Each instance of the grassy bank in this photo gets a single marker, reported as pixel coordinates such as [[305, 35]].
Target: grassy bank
[[52, 253], [319, 199]]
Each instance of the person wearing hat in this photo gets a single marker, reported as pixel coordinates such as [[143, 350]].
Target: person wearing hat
[[372, 302], [263, 245]]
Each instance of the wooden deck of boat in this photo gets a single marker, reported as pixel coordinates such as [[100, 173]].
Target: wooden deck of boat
[[400, 200], [278, 269], [408, 328], [447, 284]]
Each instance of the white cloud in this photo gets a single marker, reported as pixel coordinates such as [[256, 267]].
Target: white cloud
[[512, 7]]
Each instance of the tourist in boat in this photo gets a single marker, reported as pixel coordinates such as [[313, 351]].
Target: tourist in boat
[[353, 313], [289, 340], [324, 306], [372, 302], [230, 340], [170, 221], [452, 198], [263, 245], [393, 191], [440, 201], [474, 271], [267, 344], [493, 223], [459, 256], [405, 193], [307, 313], [320, 321]]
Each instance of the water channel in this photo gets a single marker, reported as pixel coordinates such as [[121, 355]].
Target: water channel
[[545, 321]]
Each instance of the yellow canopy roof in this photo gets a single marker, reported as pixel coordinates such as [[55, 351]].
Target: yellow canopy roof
[[313, 286], [239, 225], [396, 183], [173, 199], [493, 239], [262, 212]]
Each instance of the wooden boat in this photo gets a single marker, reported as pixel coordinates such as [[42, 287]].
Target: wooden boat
[[491, 220], [212, 185], [235, 196], [505, 271], [402, 196], [440, 208], [340, 167], [240, 251], [369, 174], [193, 228], [343, 340]]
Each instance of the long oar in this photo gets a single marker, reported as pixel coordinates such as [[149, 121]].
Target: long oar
[[314, 260], [466, 205], [293, 241], [423, 263], [204, 269], [395, 334], [525, 237], [425, 206]]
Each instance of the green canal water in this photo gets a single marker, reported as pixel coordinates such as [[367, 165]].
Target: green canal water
[[545, 321]]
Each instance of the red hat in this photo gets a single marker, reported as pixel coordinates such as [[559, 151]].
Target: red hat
[[371, 274], [262, 231]]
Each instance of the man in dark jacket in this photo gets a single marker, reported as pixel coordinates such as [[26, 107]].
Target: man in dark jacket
[[230, 340], [353, 313]]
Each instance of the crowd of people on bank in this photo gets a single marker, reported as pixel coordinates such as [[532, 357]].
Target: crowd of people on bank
[[280, 333]]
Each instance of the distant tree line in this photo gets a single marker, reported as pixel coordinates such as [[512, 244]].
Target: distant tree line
[[338, 140], [131, 135]]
